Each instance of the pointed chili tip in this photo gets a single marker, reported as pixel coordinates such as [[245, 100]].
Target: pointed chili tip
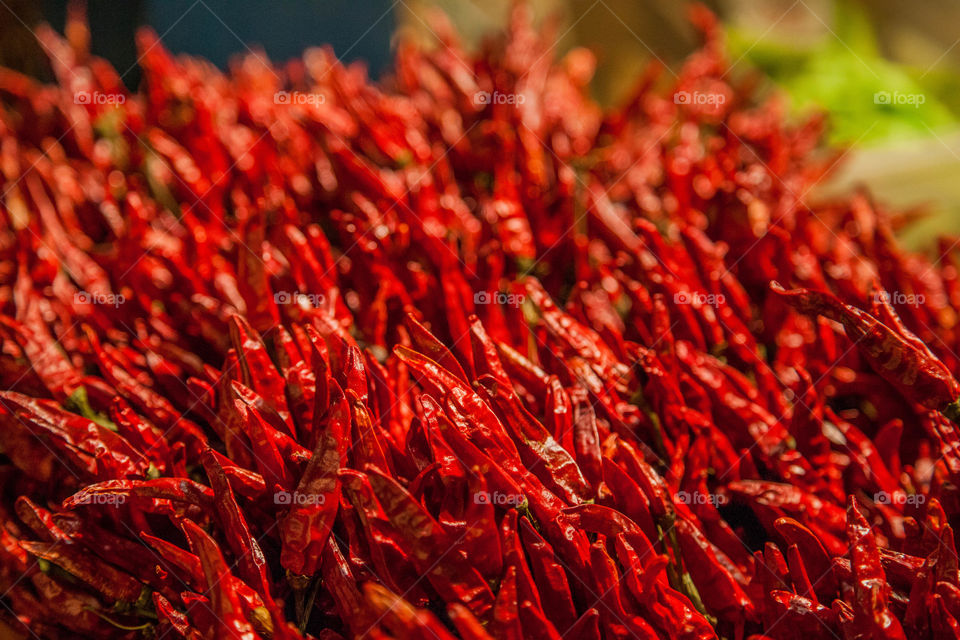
[[373, 470], [490, 384], [72, 501], [402, 351], [854, 513], [350, 476]]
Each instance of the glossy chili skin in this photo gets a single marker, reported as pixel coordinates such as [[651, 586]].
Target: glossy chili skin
[[914, 371], [290, 352]]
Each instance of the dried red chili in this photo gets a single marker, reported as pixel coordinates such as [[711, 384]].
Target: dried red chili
[[408, 362]]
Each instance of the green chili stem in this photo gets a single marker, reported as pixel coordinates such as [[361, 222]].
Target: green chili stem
[[952, 411]]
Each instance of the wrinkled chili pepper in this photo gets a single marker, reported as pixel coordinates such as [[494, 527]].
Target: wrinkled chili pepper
[[915, 372], [402, 362]]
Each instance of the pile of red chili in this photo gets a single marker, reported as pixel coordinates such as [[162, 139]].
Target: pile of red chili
[[286, 353]]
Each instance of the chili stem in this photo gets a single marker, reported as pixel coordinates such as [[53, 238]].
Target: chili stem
[[952, 411]]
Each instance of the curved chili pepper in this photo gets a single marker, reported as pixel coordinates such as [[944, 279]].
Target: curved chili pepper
[[223, 597], [506, 613], [369, 449], [39, 520], [466, 624], [485, 356], [384, 543], [175, 489], [433, 348], [871, 612], [719, 589], [177, 620], [306, 527], [544, 455], [431, 550], [614, 616], [112, 583], [813, 555], [402, 619], [915, 372], [250, 559], [550, 577], [180, 562]]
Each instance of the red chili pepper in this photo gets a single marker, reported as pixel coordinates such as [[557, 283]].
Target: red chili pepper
[[815, 558], [175, 489], [871, 612], [914, 371], [224, 600], [541, 453], [431, 549], [401, 619], [715, 583], [177, 620], [306, 527], [39, 520], [110, 582], [466, 624], [459, 353], [342, 586], [480, 542], [250, 559]]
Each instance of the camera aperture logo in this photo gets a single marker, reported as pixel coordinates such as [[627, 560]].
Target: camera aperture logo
[[899, 98], [498, 498], [899, 498], [699, 98], [298, 97], [699, 299], [497, 97], [498, 297], [699, 497], [900, 299], [102, 499], [109, 299], [298, 499], [98, 97], [305, 300]]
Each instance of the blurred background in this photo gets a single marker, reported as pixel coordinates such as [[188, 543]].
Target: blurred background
[[887, 71]]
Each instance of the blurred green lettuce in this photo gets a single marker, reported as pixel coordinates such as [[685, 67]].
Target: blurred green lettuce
[[870, 99]]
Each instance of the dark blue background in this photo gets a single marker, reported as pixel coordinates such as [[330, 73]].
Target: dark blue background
[[219, 29]]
